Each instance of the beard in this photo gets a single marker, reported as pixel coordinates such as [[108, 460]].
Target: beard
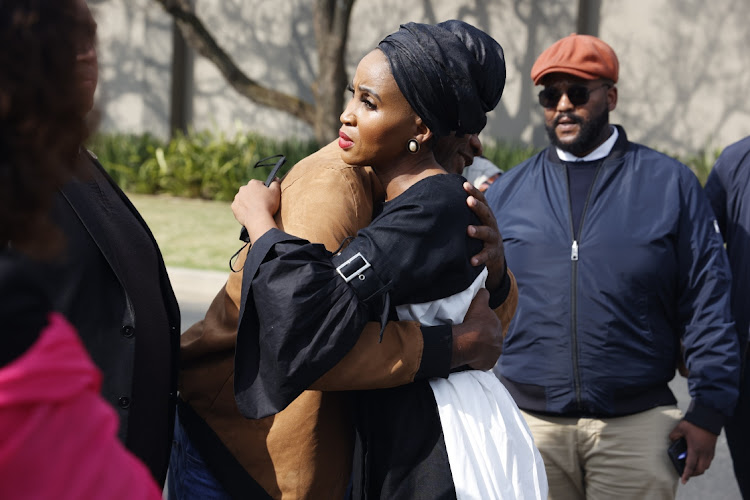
[[589, 135]]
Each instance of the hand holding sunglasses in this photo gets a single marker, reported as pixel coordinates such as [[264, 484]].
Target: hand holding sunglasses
[[578, 95], [244, 236]]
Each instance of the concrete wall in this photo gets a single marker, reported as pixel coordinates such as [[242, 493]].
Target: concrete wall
[[685, 66], [685, 70], [134, 65]]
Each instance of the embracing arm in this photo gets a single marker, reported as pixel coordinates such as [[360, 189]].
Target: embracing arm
[[410, 352], [326, 206], [501, 283], [324, 201]]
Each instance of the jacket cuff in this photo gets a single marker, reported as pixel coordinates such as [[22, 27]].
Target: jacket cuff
[[704, 417], [499, 294], [437, 352]]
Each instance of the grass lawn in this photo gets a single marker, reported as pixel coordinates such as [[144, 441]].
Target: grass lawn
[[191, 233]]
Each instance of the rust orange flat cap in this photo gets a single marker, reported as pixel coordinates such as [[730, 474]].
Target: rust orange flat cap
[[584, 56]]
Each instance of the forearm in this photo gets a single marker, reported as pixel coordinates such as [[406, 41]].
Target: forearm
[[713, 366], [506, 309], [705, 417], [326, 205], [709, 336], [408, 352], [259, 225]]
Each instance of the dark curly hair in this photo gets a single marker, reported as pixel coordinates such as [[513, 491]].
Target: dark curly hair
[[41, 127]]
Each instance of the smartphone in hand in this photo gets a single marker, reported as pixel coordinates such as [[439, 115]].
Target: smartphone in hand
[[677, 452]]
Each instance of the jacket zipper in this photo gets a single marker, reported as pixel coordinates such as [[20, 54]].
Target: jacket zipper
[[574, 279]]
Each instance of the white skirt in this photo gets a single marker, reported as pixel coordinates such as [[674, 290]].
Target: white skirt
[[490, 448]]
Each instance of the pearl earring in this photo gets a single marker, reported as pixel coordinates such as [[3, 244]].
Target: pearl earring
[[412, 145]]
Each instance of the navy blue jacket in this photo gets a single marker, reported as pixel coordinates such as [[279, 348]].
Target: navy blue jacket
[[728, 190], [599, 320]]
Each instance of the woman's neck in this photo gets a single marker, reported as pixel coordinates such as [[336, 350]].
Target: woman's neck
[[399, 177]]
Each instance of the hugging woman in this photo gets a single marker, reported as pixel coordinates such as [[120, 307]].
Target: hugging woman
[[303, 307]]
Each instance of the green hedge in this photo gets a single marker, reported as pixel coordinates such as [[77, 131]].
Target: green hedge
[[507, 155], [200, 165], [701, 162], [212, 165]]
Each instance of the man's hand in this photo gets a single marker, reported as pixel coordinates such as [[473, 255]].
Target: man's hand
[[478, 341], [700, 444], [493, 252]]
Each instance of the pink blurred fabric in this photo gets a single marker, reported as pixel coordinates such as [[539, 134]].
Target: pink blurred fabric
[[58, 437]]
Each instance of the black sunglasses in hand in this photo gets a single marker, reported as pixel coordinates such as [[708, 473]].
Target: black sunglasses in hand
[[578, 95], [244, 236]]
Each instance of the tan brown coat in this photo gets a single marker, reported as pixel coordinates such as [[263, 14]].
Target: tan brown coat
[[304, 451]]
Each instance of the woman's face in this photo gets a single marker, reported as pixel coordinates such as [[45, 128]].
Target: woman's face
[[377, 121]]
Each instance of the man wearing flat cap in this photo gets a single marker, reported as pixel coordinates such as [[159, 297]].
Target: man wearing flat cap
[[618, 261]]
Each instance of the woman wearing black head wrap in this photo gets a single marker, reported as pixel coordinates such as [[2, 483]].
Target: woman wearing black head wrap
[[451, 74], [303, 308]]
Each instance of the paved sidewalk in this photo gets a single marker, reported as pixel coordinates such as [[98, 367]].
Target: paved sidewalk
[[195, 289]]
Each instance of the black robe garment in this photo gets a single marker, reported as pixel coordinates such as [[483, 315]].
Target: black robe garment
[[111, 284]]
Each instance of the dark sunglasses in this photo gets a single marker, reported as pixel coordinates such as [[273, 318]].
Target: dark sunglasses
[[578, 95]]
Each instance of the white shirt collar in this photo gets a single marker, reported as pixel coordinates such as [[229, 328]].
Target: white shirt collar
[[602, 151]]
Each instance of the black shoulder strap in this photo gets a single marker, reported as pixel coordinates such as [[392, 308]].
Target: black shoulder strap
[[226, 469]]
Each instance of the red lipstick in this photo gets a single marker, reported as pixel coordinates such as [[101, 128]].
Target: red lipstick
[[344, 141]]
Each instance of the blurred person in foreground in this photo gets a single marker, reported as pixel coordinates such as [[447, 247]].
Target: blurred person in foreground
[[110, 281], [303, 307], [57, 435], [305, 450], [618, 260], [728, 190]]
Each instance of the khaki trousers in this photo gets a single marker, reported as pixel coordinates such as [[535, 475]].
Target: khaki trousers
[[612, 458]]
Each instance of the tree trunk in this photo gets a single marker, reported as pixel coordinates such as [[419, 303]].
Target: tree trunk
[[179, 105], [198, 37], [331, 23], [587, 22]]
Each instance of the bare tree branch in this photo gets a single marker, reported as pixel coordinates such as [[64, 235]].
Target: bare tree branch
[[198, 37]]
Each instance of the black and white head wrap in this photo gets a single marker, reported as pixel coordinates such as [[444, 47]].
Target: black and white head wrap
[[451, 73]]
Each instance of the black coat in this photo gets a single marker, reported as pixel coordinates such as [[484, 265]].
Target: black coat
[[110, 269]]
